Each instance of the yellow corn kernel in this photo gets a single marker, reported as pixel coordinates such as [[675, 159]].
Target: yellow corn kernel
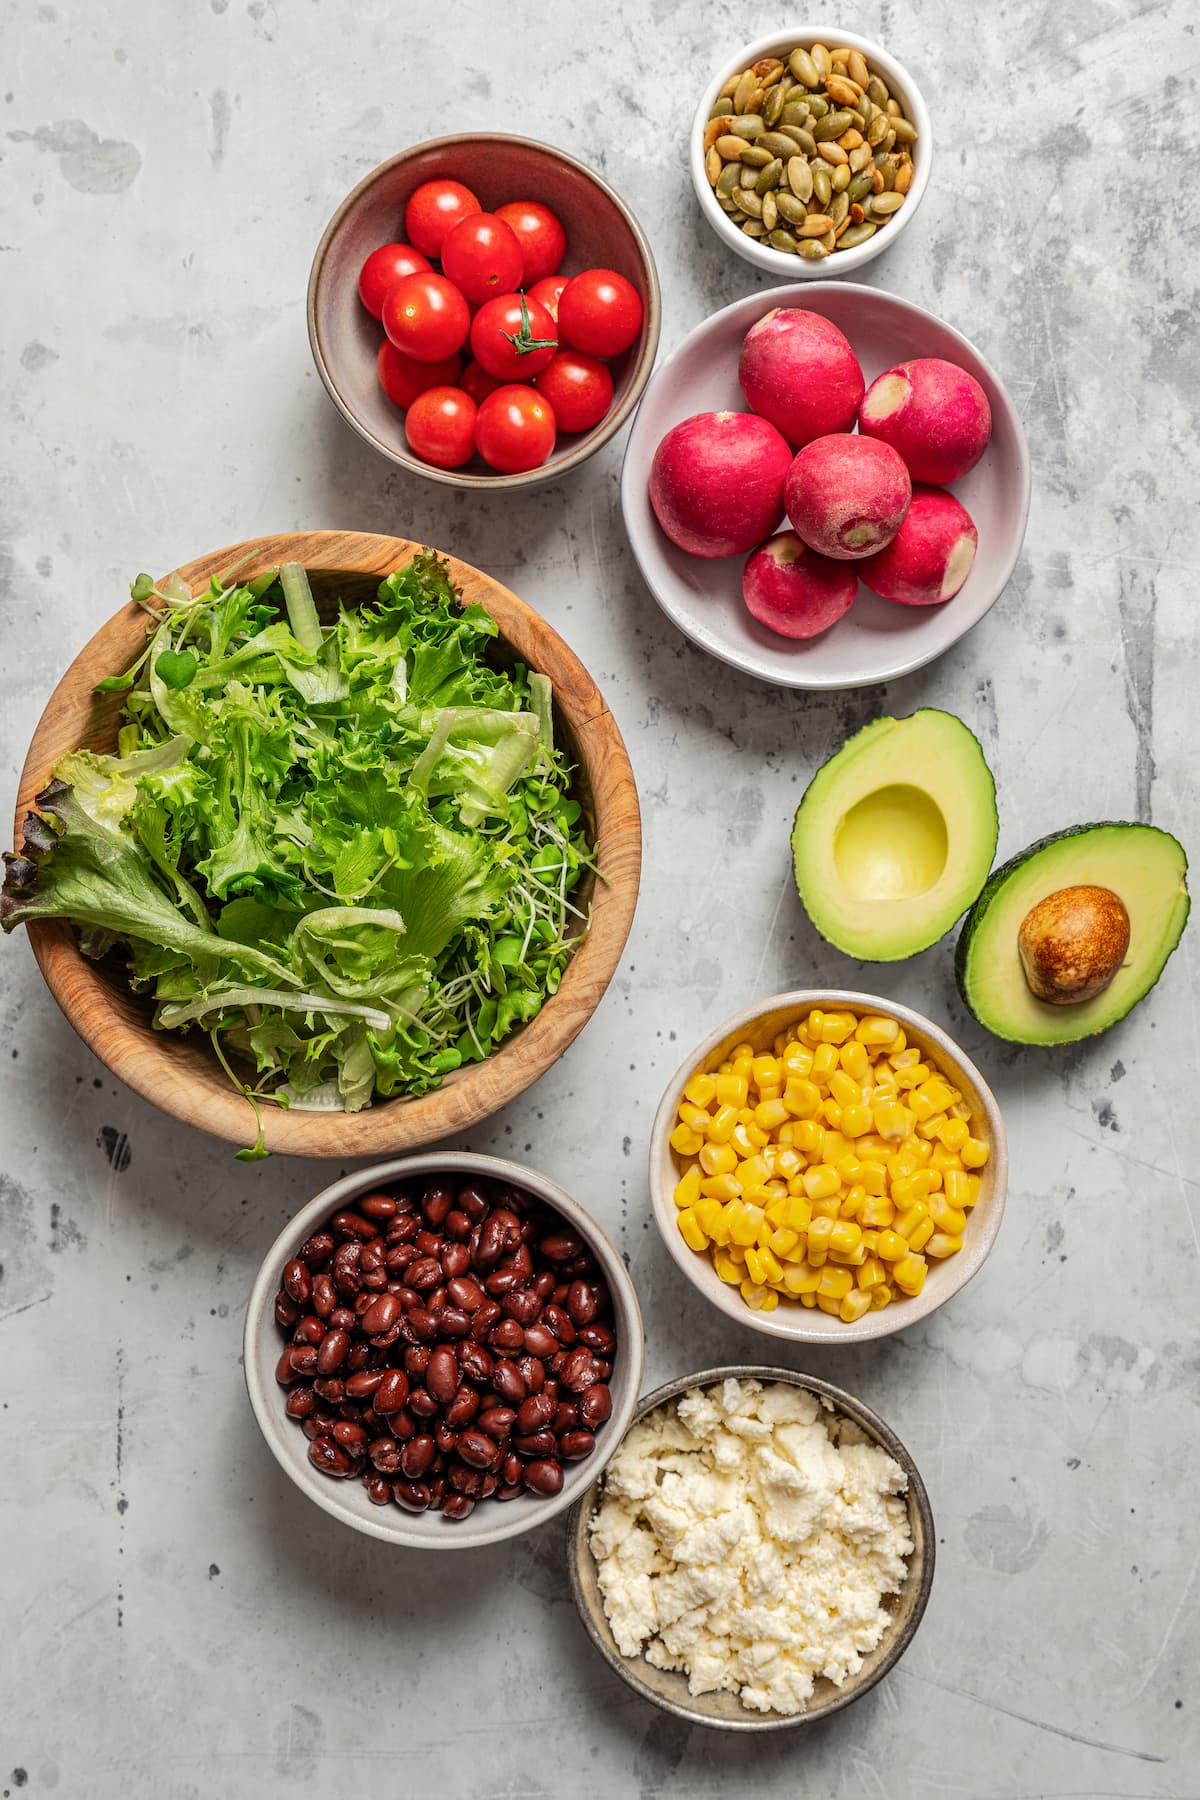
[[921, 1236], [855, 1061], [891, 1247], [802, 1099], [819, 1232], [852, 1202], [718, 1159], [955, 1186], [876, 1210], [769, 1115], [754, 1265], [854, 1306], [835, 1284], [944, 1159], [742, 1142], [732, 1090], [909, 1273], [873, 1176], [685, 1141], [798, 1216], [695, 1118], [783, 1242], [783, 1137], [906, 1222], [744, 1221], [938, 1092], [788, 1163], [825, 1061], [720, 1126], [820, 1182], [691, 1230], [871, 1272], [960, 1110], [973, 1191], [941, 1243], [796, 1060], [809, 1300], [974, 1153], [810, 1137], [837, 1027], [701, 1090], [751, 1173], [828, 1304], [870, 1239], [954, 1133], [769, 1093], [874, 1029], [856, 1121], [742, 1053], [813, 1024], [901, 1163], [801, 1278], [946, 1217], [848, 1167], [891, 1120], [771, 1264], [729, 1271], [834, 1147], [829, 1208], [687, 1190], [831, 1113], [881, 1296], [929, 1128], [912, 1076], [776, 1210], [845, 1239], [845, 1091], [767, 1072], [721, 1187], [711, 1214], [758, 1298]]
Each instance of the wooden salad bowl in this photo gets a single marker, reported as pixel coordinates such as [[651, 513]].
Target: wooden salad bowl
[[179, 1073]]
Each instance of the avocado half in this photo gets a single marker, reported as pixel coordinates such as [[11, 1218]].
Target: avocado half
[[1146, 869], [895, 835]]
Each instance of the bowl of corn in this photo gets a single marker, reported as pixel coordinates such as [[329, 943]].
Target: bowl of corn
[[828, 1166]]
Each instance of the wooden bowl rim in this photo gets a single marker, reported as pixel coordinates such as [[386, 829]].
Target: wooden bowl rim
[[175, 1074], [591, 441]]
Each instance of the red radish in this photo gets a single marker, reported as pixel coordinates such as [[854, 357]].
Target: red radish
[[847, 496], [934, 413], [798, 370], [793, 591], [716, 482], [930, 556]]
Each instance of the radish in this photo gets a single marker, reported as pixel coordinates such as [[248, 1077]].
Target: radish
[[716, 482], [934, 413], [930, 556], [798, 370], [792, 590], [847, 496]]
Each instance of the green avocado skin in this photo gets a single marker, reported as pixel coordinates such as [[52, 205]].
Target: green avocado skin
[[823, 774], [997, 879]]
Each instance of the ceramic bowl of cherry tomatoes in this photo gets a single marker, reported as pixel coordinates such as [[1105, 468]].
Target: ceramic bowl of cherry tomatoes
[[484, 311]]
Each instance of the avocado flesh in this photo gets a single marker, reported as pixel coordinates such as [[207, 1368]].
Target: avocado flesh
[[1146, 868], [894, 836]]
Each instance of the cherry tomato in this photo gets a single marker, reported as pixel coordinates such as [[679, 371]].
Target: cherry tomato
[[548, 292], [543, 240], [513, 337], [476, 381], [402, 379], [382, 269], [600, 312], [426, 317], [481, 256], [432, 209], [578, 387], [440, 427], [515, 430]]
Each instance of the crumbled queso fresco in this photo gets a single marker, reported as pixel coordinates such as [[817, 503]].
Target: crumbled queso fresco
[[737, 1541]]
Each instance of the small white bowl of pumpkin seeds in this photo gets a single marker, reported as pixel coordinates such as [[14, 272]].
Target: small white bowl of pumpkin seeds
[[810, 152]]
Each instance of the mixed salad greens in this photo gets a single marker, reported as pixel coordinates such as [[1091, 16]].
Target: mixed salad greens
[[346, 852]]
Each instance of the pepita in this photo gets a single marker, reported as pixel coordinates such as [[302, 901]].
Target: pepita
[[840, 179], [839, 208], [782, 239], [754, 228], [904, 178], [729, 178], [796, 95], [716, 128], [753, 156], [877, 90], [882, 205], [749, 203], [905, 130], [817, 106], [794, 114], [843, 91], [727, 92], [728, 147], [829, 240], [861, 185], [743, 91], [719, 109], [821, 60], [804, 68], [822, 183], [770, 212], [800, 178], [830, 127], [860, 159], [857, 215], [729, 205], [815, 226], [747, 125], [773, 106], [804, 140], [811, 250], [857, 234], [877, 130], [789, 207], [749, 181], [776, 143], [769, 177], [851, 139], [712, 165], [856, 63], [841, 229], [832, 153]]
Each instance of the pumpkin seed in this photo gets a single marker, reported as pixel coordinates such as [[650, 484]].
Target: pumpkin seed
[[753, 155], [803, 139], [729, 147], [718, 109], [794, 114], [727, 91], [742, 93], [857, 234], [893, 107], [904, 178], [716, 128], [811, 250], [905, 130], [841, 90], [804, 68], [888, 172], [770, 212], [832, 153], [800, 178], [772, 106], [839, 207], [860, 158], [817, 106], [728, 205], [830, 127], [749, 181], [840, 179], [856, 63], [829, 240], [729, 178], [713, 165], [790, 208], [776, 143], [769, 69], [877, 130], [821, 60], [796, 95], [815, 226], [822, 183], [884, 204], [783, 239], [747, 125], [754, 228], [749, 203], [770, 177], [851, 139], [860, 186]]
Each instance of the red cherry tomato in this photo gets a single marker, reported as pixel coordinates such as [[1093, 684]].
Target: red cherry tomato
[[382, 269], [402, 379], [515, 430], [548, 292], [426, 317], [481, 256], [432, 209], [578, 387], [542, 239], [513, 337], [440, 427], [600, 312], [476, 381]]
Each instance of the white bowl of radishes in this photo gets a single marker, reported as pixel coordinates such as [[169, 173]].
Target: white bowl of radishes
[[826, 486]]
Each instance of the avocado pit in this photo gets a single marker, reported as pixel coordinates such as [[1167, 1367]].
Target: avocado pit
[[1072, 943]]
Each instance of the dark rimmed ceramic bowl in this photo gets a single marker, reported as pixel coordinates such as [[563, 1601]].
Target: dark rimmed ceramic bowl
[[601, 233], [668, 1688]]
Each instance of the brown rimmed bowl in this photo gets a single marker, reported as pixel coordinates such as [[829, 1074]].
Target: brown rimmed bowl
[[668, 1688], [180, 1074], [601, 233]]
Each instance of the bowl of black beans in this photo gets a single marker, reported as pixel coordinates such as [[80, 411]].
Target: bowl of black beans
[[444, 1350]]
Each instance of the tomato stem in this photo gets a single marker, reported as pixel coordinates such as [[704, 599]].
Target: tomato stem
[[523, 341]]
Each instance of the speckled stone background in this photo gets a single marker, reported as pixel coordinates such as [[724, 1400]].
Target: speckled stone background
[[177, 1620]]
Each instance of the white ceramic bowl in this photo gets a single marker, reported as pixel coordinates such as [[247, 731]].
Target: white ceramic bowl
[[784, 265], [759, 1025], [876, 640], [492, 1521]]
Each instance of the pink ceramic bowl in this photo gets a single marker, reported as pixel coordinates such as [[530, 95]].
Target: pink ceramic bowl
[[601, 233]]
